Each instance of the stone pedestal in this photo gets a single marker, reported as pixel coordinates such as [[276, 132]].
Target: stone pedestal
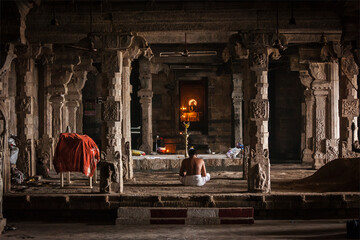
[[146, 119], [237, 96]]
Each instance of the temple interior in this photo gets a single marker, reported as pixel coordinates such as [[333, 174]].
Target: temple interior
[[265, 91]]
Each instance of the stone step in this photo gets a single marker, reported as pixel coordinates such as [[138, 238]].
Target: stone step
[[185, 216]]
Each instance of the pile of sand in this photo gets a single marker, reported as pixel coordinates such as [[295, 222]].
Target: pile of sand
[[339, 175]]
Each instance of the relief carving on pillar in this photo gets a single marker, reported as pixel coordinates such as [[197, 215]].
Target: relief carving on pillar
[[111, 111], [126, 160], [349, 108], [259, 171], [25, 105], [258, 59], [332, 149], [109, 173], [347, 151], [320, 129], [259, 110]]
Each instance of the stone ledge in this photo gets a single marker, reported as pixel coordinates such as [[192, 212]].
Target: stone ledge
[[219, 162]]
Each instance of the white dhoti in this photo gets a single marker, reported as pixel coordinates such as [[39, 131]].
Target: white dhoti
[[194, 180]]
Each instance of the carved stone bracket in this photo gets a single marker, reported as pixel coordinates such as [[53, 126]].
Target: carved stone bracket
[[111, 111], [305, 78]]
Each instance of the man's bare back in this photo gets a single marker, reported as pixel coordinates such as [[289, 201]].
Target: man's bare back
[[193, 171], [193, 166]]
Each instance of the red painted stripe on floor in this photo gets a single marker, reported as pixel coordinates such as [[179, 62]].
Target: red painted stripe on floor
[[168, 213], [167, 221], [237, 221], [236, 212]]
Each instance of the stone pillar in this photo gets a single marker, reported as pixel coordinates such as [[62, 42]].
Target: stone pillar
[[61, 73], [45, 143], [259, 166], [349, 102], [126, 122], [5, 183], [113, 115], [146, 94], [321, 90], [333, 141], [73, 97], [307, 152], [146, 119], [25, 108], [237, 96]]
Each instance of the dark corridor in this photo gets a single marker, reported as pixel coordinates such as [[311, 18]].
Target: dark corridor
[[285, 114]]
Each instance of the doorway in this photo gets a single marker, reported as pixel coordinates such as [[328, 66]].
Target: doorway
[[285, 114], [193, 105]]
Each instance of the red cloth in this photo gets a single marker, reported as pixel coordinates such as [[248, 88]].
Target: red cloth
[[76, 153]]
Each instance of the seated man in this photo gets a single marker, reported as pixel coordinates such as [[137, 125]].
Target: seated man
[[193, 171]]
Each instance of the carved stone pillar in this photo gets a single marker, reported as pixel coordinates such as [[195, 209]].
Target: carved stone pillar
[[113, 115], [4, 130], [5, 114], [321, 90], [146, 123], [237, 96], [126, 101], [45, 144], [259, 166], [333, 141], [307, 152], [349, 102], [61, 73], [25, 109], [73, 97], [146, 94]]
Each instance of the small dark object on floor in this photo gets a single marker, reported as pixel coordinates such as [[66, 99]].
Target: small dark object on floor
[[353, 229], [9, 228]]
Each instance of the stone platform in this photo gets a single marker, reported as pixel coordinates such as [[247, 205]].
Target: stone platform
[[226, 189], [166, 162]]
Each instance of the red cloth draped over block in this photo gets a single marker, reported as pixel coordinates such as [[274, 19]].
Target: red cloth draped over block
[[76, 153]]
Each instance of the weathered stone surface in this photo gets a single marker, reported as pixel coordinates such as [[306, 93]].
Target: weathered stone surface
[[173, 162]]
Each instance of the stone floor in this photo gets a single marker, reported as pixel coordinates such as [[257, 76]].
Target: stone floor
[[269, 229], [166, 183]]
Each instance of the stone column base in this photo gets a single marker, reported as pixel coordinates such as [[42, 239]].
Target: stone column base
[[2, 224], [307, 156], [319, 160]]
